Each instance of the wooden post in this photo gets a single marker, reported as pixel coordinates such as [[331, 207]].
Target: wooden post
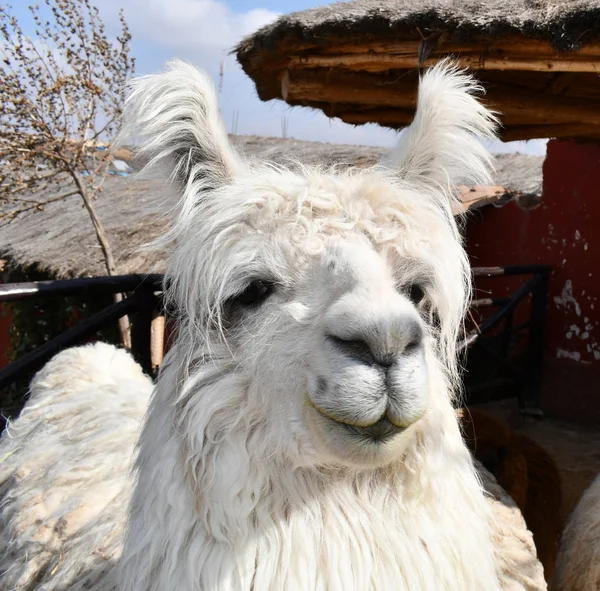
[[157, 343]]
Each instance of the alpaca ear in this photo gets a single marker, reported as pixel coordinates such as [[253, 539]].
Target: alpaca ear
[[442, 145], [175, 116]]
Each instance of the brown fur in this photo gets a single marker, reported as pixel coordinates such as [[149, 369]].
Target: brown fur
[[526, 471], [544, 498]]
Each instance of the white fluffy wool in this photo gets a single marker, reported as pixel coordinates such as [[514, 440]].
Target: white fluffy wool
[[64, 474], [64, 471]]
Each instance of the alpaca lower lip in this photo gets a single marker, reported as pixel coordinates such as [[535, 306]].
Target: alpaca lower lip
[[381, 431]]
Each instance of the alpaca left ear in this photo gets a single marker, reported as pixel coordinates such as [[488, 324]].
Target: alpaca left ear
[[175, 114], [442, 145]]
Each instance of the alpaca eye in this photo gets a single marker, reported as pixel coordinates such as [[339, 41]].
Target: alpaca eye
[[415, 293], [256, 293]]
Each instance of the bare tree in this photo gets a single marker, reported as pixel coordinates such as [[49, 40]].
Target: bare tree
[[61, 99]]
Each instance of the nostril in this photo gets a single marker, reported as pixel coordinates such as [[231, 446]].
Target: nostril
[[415, 338], [413, 345], [355, 348], [362, 351]]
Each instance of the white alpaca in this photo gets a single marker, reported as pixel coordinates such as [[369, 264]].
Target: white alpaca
[[301, 435], [578, 562], [64, 471]]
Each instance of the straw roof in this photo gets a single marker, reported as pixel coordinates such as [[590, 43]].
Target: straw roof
[[538, 59], [60, 239]]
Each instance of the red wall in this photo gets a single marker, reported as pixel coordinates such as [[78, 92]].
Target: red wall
[[564, 231]]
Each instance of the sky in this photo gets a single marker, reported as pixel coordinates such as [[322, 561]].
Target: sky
[[203, 32]]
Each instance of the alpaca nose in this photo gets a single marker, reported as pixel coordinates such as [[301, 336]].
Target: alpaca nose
[[379, 342]]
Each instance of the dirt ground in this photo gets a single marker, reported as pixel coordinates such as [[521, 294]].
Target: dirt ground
[[575, 448]]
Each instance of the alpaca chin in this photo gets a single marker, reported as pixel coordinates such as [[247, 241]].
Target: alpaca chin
[[339, 443]]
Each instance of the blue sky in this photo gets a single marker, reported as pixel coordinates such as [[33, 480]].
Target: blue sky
[[203, 32]]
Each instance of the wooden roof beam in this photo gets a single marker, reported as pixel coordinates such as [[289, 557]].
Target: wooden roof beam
[[529, 56], [312, 87], [397, 119], [565, 130], [513, 46], [337, 94], [386, 62]]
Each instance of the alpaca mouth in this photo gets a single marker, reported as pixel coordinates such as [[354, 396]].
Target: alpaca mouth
[[378, 432]]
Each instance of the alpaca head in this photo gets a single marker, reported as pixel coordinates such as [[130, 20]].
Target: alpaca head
[[318, 309]]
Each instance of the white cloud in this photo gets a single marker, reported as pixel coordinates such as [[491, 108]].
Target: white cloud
[[254, 19], [190, 25]]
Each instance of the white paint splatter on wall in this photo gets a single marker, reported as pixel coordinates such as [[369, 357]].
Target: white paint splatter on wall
[[566, 298], [573, 355]]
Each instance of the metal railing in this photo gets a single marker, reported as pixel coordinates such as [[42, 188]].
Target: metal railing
[[141, 303], [514, 351]]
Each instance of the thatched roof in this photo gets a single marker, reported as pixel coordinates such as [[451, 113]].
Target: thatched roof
[[538, 59], [60, 239]]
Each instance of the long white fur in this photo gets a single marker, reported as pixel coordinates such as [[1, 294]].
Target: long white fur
[[578, 562], [239, 483]]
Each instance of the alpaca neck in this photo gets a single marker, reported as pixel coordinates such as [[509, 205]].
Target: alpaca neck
[[230, 520]]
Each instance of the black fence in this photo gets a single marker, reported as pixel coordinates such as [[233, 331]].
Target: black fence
[[505, 357], [142, 301], [506, 341]]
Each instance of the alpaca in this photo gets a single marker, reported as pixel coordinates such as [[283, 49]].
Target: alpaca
[[578, 563], [64, 470], [301, 434], [526, 472]]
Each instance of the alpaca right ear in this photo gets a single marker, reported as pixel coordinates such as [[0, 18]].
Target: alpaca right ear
[[175, 115], [442, 145]]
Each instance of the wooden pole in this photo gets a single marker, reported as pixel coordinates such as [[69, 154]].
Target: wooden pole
[[157, 342]]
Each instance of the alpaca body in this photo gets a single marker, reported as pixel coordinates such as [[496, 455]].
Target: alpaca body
[[65, 471], [578, 563], [75, 541]]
